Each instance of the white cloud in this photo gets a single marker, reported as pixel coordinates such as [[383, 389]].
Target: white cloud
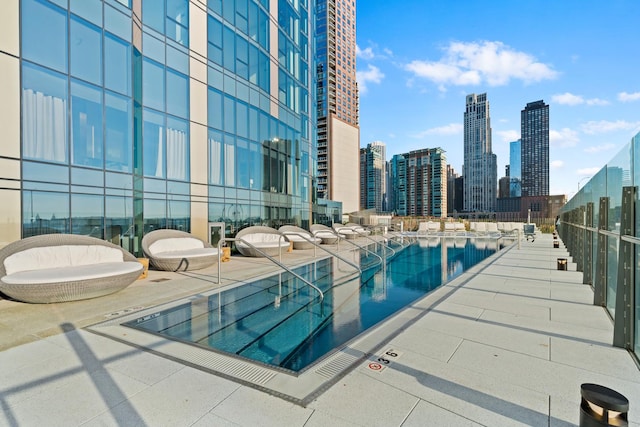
[[450, 129], [509, 135], [564, 137], [567, 99], [629, 97], [599, 148], [588, 171], [364, 53], [597, 101], [371, 75], [556, 164], [571, 99], [603, 126], [493, 63]]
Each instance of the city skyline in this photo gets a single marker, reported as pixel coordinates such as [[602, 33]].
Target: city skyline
[[415, 71]]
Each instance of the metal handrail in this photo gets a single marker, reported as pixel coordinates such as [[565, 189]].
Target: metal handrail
[[279, 264], [358, 246], [315, 245], [377, 242]]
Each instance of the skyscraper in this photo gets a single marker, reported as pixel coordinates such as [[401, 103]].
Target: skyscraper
[[480, 169], [337, 103], [515, 169], [534, 129], [420, 183], [123, 116], [373, 176]]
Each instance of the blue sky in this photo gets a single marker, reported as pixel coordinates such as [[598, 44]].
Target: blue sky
[[418, 59]]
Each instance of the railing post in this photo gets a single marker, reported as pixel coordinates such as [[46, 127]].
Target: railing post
[[600, 281], [580, 233], [623, 321], [587, 271]]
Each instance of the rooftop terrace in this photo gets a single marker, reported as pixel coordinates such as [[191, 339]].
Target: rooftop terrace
[[506, 343]]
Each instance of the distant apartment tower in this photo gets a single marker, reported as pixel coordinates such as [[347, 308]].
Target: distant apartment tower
[[337, 103], [503, 184], [534, 129], [480, 164], [452, 175], [419, 183], [515, 169], [373, 176]]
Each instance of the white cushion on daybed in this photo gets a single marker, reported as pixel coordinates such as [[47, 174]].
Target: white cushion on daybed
[[345, 230], [175, 244], [263, 240], [72, 273], [298, 238], [51, 257], [187, 253]]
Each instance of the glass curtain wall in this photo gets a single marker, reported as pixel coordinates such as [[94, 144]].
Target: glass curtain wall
[[255, 157], [106, 132], [622, 171]]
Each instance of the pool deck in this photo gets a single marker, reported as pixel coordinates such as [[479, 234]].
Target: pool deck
[[506, 343]]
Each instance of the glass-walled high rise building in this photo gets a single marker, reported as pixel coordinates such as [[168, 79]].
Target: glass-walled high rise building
[[373, 176], [515, 169], [123, 116], [480, 169], [534, 148], [337, 103], [419, 183]]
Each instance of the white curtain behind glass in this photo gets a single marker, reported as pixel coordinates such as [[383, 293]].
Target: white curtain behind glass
[[215, 162], [159, 172], [229, 164], [44, 126], [176, 154]]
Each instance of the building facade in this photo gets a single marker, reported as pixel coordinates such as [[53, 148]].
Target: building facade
[[419, 183], [480, 164], [534, 149], [337, 103], [515, 169], [373, 181], [124, 116]]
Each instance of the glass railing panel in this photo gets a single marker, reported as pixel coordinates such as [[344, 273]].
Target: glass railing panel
[[613, 244], [618, 176], [636, 340]]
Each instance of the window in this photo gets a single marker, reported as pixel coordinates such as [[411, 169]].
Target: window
[[44, 124], [44, 34], [86, 125]]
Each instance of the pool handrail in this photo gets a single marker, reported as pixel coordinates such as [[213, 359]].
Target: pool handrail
[[358, 246], [278, 263], [315, 245]]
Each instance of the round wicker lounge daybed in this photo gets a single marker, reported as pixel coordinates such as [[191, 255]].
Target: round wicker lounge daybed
[[328, 236], [300, 237], [64, 267], [346, 232], [173, 250], [267, 240]]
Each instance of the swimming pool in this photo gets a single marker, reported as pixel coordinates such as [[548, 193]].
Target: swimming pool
[[279, 321]]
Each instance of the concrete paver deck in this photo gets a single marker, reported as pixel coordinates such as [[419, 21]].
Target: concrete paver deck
[[506, 343]]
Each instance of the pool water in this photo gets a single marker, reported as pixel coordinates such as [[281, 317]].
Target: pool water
[[280, 321]]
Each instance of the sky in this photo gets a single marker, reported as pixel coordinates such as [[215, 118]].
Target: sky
[[418, 59]]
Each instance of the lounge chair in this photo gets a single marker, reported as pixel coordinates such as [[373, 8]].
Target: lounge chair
[[326, 234], [358, 228], [346, 232], [173, 250], [262, 241], [301, 238], [423, 228], [64, 267]]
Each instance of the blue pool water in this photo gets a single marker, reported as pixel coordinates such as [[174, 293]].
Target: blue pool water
[[280, 321]]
